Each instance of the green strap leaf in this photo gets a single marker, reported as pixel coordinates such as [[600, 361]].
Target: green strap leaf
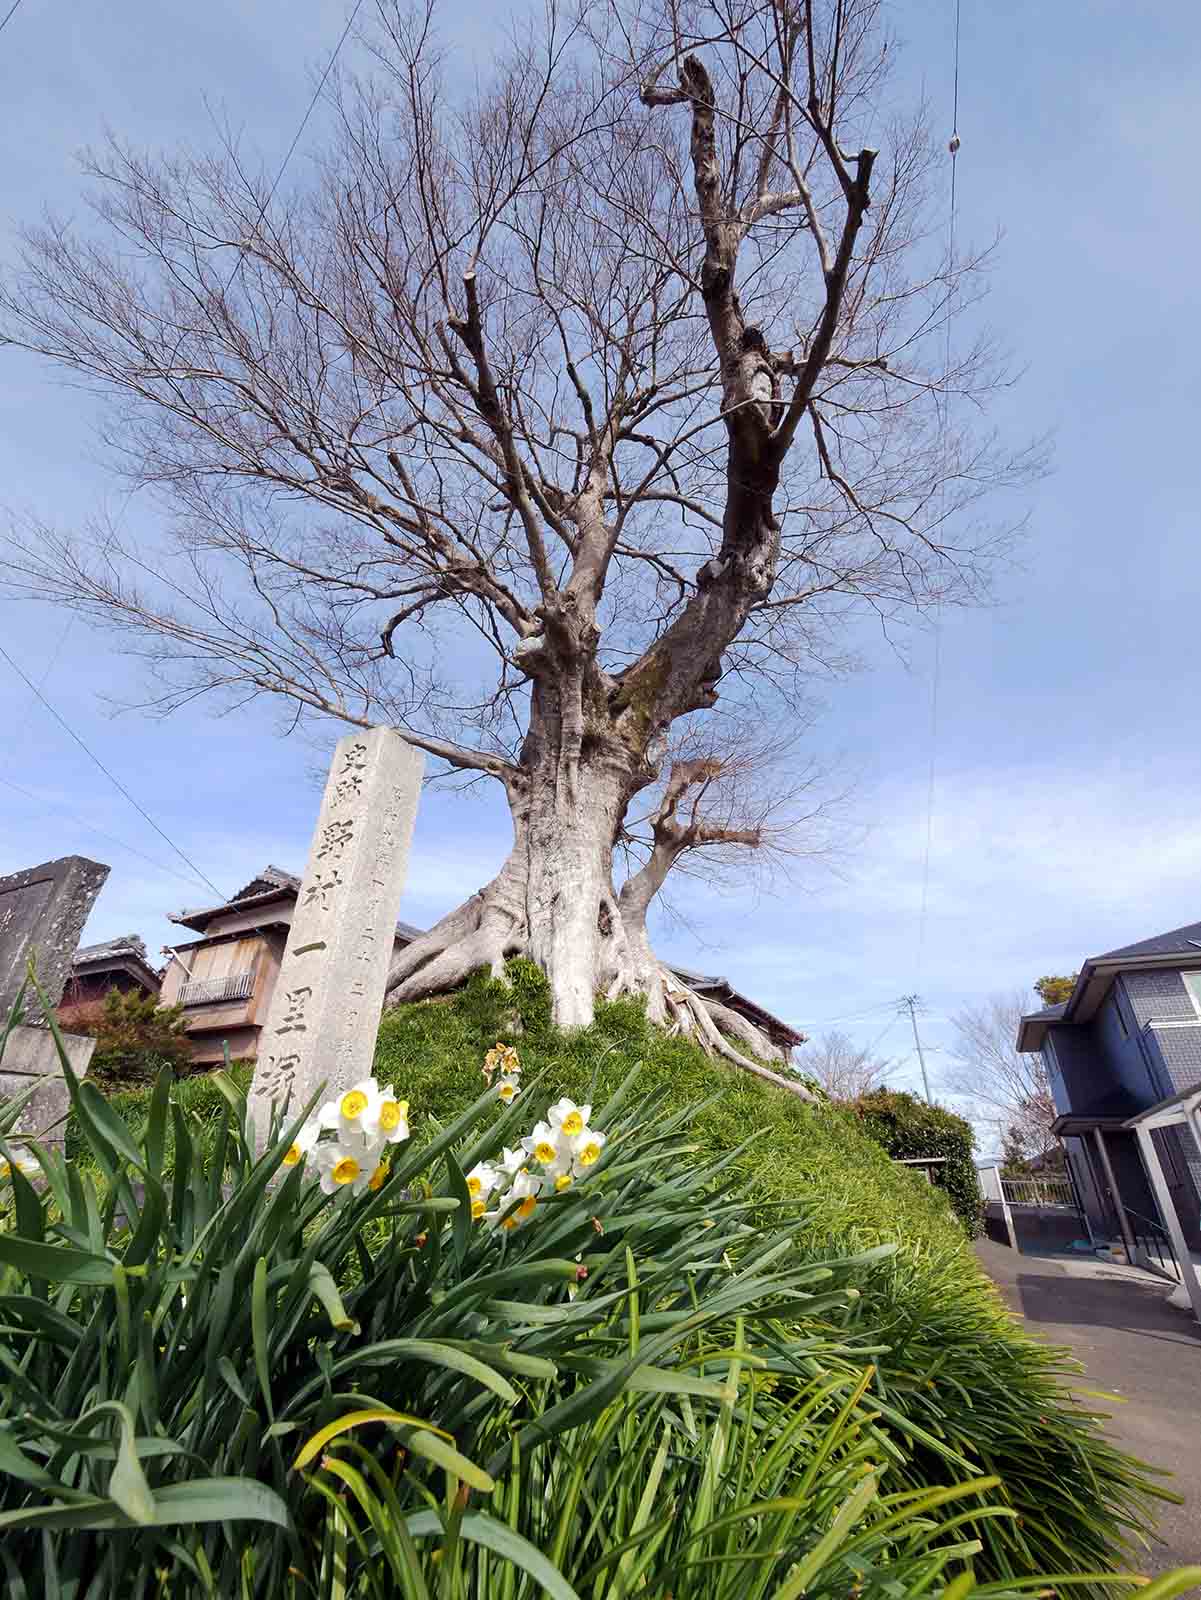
[[356, 1419], [201, 1500], [59, 1263], [503, 1541], [323, 1286]]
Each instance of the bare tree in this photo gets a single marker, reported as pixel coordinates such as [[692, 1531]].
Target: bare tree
[[844, 1069], [734, 804], [552, 404], [993, 1073]]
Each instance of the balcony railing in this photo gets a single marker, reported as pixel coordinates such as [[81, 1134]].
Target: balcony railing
[[1039, 1192], [202, 991]]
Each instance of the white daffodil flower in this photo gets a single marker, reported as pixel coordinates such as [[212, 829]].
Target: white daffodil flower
[[508, 1088], [585, 1149], [544, 1144], [355, 1114], [347, 1167], [304, 1141], [511, 1163], [22, 1160], [392, 1118], [569, 1117], [524, 1190], [481, 1181]]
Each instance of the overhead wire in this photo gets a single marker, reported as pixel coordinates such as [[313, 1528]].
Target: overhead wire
[[34, 688], [112, 778], [92, 827], [45, 678], [936, 672], [304, 122], [8, 15]]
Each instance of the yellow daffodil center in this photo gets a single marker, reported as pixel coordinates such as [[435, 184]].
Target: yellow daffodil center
[[477, 1208], [509, 1222], [377, 1177], [353, 1104], [563, 1181], [346, 1171], [589, 1154], [293, 1156], [5, 1169], [507, 1091], [526, 1208], [474, 1186], [389, 1115], [545, 1152], [573, 1123]]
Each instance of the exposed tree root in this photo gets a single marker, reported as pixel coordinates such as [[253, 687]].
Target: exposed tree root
[[484, 931], [491, 927], [680, 1010]]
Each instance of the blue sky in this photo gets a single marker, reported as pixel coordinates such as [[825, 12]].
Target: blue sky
[[1065, 818]]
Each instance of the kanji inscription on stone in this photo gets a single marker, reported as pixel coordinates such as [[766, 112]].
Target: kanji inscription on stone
[[327, 1001]]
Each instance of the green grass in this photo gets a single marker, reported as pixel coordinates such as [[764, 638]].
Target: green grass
[[963, 1386], [957, 1385]]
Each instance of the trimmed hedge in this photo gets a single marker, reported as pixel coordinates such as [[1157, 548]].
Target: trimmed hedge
[[907, 1127]]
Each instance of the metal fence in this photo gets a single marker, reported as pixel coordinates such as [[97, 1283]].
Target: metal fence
[[1039, 1192], [240, 986], [1154, 1243]]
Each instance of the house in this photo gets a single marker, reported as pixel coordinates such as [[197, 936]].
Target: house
[[224, 979], [1123, 1056], [120, 963], [723, 993]]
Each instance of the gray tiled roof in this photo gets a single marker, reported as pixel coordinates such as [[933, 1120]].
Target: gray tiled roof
[[126, 944], [1049, 1014], [1182, 941], [267, 885], [269, 878]]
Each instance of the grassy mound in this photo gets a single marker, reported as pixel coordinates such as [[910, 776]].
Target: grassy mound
[[963, 1387], [958, 1387]]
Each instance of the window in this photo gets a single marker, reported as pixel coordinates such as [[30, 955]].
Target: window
[[1192, 982]]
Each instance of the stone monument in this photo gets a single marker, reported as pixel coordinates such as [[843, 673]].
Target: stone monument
[[42, 913], [329, 994]]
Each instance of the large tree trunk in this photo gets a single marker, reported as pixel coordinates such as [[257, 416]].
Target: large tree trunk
[[549, 900], [553, 900]]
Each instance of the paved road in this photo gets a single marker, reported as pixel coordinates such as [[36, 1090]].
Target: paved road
[[1133, 1345]]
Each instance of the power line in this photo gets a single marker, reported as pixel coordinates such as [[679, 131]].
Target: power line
[[115, 781], [304, 122], [936, 675], [83, 822], [8, 15], [50, 666]]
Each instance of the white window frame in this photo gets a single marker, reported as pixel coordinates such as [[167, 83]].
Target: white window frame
[[1194, 994]]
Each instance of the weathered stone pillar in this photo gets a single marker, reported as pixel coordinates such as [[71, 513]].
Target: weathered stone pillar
[[325, 1010]]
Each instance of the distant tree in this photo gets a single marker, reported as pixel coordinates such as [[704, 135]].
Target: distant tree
[[135, 1037], [991, 1071], [845, 1070], [1054, 991]]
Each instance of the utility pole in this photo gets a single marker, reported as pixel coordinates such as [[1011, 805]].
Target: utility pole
[[910, 1003]]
